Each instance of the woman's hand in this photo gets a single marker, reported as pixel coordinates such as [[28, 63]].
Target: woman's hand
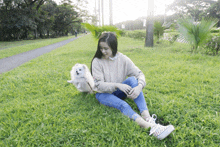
[[124, 88], [135, 92]]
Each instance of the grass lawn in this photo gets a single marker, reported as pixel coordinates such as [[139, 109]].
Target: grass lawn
[[11, 48], [39, 107]]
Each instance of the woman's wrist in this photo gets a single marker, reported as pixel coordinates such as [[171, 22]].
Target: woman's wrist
[[117, 85], [140, 85]]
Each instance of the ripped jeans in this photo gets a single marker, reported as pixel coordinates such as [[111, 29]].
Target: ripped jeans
[[115, 100]]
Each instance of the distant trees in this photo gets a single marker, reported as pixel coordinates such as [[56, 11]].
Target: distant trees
[[196, 9], [17, 17], [214, 11], [26, 19]]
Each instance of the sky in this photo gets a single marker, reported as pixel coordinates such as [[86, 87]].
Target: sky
[[127, 9]]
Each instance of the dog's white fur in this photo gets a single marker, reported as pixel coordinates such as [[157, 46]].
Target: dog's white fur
[[82, 78]]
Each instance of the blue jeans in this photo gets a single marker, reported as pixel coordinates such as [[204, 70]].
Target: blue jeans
[[116, 100]]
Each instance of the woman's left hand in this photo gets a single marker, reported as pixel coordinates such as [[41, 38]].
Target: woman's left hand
[[135, 92]]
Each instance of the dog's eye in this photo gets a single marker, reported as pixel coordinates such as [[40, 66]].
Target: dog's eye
[[79, 69]]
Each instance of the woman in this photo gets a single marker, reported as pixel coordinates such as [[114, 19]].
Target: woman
[[110, 69]]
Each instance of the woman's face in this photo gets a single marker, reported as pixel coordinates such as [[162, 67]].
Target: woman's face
[[106, 50]]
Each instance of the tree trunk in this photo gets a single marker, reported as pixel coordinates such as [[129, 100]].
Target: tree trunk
[[102, 12], [149, 41], [48, 34], [35, 34], [110, 12], [41, 36]]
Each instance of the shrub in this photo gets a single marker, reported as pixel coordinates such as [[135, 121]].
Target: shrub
[[158, 30], [137, 34], [213, 45], [172, 37]]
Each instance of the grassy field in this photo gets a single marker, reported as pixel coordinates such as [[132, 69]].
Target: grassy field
[[39, 107], [11, 48]]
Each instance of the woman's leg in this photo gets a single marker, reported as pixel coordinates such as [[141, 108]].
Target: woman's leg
[[140, 100], [158, 130], [115, 102]]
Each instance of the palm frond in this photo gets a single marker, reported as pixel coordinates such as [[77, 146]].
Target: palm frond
[[97, 31], [196, 33]]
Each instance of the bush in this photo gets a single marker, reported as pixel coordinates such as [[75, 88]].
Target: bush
[[172, 37], [137, 34], [158, 30], [213, 45], [30, 37]]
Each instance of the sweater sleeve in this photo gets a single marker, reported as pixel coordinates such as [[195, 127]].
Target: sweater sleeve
[[133, 70], [101, 85]]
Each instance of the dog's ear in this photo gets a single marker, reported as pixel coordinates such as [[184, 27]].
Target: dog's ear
[[84, 66]]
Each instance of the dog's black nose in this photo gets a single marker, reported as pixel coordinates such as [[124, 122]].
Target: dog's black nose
[[77, 73]]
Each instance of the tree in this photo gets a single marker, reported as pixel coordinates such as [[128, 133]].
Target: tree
[[64, 17], [18, 17], [193, 8], [214, 11], [48, 13]]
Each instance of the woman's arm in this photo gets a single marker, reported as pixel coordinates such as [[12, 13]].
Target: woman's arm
[[124, 88], [133, 70]]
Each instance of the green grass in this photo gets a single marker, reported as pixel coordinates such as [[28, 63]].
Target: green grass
[[39, 108], [11, 48]]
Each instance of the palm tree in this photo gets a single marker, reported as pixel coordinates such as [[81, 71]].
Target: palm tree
[[196, 33]]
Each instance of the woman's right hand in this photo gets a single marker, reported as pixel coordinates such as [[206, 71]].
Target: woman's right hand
[[124, 88]]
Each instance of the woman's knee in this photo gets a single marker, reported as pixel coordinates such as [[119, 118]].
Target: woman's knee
[[100, 96], [112, 101], [108, 99], [131, 81]]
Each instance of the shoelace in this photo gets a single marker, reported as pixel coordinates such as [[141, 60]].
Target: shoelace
[[153, 118]]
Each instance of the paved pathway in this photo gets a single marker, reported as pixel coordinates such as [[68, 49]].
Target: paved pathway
[[9, 63]]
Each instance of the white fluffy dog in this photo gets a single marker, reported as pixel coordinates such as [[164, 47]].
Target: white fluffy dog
[[82, 78]]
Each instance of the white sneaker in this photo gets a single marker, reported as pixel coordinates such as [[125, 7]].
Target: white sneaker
[[160, 131]]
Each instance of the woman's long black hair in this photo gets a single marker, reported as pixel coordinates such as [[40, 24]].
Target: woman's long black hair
[[111, 39]]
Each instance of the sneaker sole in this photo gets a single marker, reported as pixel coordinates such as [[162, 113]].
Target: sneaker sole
[[165, 133]]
